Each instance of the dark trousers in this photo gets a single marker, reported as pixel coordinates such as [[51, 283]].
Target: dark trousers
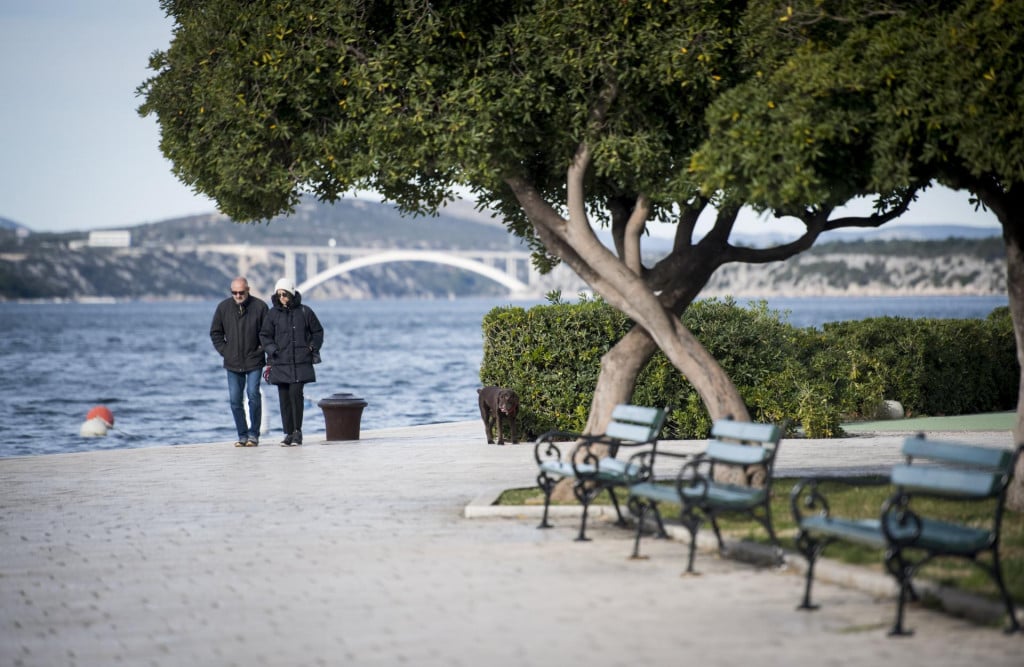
[[292, 401]]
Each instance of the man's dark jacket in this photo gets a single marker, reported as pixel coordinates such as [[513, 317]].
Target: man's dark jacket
[[235, 332], [291, 336]]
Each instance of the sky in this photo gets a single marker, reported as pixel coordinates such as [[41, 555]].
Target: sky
[[75, 155]]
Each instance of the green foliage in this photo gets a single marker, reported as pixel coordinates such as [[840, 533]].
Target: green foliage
[[258, 104], [810, 379], [933, 367], [551, 356], [870, 97]]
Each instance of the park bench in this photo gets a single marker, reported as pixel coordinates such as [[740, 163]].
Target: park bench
[[591, 462], [933, 469], [700, 489]]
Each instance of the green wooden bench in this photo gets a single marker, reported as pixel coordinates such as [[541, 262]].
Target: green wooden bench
[[698, 490], [933, 469], [592, 470]]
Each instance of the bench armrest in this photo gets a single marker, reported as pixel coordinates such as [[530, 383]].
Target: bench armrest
[[586, 463], [696, 475], [545, 449], [640, 466], [807, 493]]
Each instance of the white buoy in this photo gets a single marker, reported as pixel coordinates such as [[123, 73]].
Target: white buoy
[[97, 422], [93, 428]]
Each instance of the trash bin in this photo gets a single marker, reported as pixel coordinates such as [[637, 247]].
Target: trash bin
[[342, 413]]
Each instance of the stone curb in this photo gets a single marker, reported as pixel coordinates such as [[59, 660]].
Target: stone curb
[[878, 584]]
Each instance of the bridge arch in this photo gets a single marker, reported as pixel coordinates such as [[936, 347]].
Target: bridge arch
[[435, 257]]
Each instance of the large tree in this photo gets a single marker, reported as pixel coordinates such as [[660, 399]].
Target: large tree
[[560, 115], [931, 92]]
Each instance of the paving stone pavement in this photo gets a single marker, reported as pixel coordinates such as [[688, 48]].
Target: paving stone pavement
[[359, 553]]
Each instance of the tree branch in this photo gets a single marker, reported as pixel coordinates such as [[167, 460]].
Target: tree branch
[[635, 226]]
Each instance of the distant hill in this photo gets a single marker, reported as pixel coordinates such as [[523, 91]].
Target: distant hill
[[11, 225], [926, 259], [162, 261], [884, 233], [348, 223]]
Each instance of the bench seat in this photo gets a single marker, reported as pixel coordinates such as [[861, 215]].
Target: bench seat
[[591, 462], [699, 489], [727, 496], [951, 538], [950, 471]]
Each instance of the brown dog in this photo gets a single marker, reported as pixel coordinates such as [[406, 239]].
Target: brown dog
[[494, 403]]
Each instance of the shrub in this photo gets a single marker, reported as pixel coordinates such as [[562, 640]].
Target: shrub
[[808, 378]]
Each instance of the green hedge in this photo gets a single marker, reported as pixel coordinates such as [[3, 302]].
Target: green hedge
[[812, 378]]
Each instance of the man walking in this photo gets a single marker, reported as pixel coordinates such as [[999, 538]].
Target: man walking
[[235, 332]]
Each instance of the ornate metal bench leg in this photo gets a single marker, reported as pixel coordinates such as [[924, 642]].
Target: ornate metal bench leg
[[662, 534], [582, 537], [546, 485], [641, 511], [997, 575], [584, 495], [692, 523], [903, 572], [810, 549], [621, 521], [718, 535], [776, 547]]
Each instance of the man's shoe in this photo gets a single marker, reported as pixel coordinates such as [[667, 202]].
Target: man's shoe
[[287, 442], [297, 438], [251, 443], [239, 444]]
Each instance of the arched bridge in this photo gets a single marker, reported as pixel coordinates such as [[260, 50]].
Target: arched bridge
[[310, 266], [432, 256]]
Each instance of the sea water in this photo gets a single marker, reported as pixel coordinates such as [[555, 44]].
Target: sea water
[[152, 363]]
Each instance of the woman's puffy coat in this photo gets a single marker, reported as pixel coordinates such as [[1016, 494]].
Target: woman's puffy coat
[[291, 336]]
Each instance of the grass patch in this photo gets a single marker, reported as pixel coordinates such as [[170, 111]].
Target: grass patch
[[865, 500]]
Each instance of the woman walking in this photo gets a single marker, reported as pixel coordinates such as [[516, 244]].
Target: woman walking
[[291, 336]]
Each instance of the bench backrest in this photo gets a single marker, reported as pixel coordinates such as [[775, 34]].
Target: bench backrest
[[634, 423], [959, 470], [731, 442]]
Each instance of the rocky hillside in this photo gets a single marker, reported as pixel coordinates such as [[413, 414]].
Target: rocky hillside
[[874, 268], [163, 263]]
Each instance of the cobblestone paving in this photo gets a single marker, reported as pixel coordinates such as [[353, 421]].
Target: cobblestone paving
[[358, 554]]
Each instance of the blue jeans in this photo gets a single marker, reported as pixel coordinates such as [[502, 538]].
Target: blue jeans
[[250, 384]]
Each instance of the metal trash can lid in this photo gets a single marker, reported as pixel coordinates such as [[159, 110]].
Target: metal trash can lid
[[342, 400]]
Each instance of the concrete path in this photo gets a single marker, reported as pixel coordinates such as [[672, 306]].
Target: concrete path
[[359, 554]]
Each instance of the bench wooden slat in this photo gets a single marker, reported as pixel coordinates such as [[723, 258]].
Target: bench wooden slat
[[958, 453], [606, 469], [729, 452], [947, 481], [948, 538], [745, 431], [661, 493], [862, 531], [630, 432], [629, 424], [638, 413], [727, 496], [952, 470]]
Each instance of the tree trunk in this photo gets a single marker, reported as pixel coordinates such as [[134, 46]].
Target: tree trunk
[[1015, 292], [620, 367]]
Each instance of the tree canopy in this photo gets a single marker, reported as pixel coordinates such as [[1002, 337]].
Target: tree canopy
[[261, 102], [910, 93], [556, 113]]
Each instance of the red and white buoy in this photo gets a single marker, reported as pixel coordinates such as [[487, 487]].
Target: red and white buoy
[[97, 422]]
